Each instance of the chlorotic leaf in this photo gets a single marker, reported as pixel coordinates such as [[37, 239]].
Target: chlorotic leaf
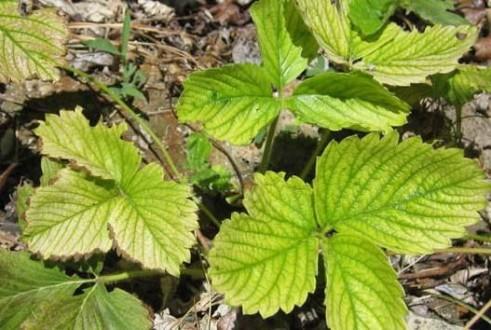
[[347, 100], [233, 102], [370, 15], [267, 260], [466, 82], [153, 222], [98, 149], [70, 217], [35, 297], [362, 289], [31, 46], [330, 26], [282, 59], [148, 219], [412, 56], [436, 11], [406, 197]]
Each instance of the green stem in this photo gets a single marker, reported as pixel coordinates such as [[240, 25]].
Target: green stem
[[481, 238], [132, 114], [319, 148], [208, 213], [268, 148], [485, 251], [127, 276]]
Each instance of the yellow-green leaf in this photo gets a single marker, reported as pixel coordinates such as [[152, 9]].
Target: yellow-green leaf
[[409, 57], [405, 196], [267, 259], [347, 100], [30, 46], [362, 291], [330, 25], [233, 102]]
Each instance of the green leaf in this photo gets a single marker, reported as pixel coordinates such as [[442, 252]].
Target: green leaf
[[31, 46], [33, 296], [435, 11], [96, 309], [362, 289], [282, 59], [347, 100], [98, 149], [409, 57], [233, 102], [267, 259], [467, 81], [102, 45], [406, 197], [370, 15], [148, 219], [330, 26], [125, 35], [299, 32]]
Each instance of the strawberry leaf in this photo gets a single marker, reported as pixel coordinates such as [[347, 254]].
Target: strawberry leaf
[[362, 289], [267, 259], [150, 220], [406, 197], [282, 59], [347, 100], [31, 46], [33, 296], [233, 102]]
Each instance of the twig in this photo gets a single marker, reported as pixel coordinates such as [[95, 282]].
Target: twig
[[6, 174], [479, 315]]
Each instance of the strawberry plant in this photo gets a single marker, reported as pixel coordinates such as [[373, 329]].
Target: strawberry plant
[[371, 193]]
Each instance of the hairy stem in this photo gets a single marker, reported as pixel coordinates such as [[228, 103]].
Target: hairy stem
[[127, 276], [132, 114], [268, 148], [326, 136]]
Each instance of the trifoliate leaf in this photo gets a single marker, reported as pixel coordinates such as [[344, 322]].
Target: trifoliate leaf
[[31, 46], [347, 100], [267, 259], [233, 102], [362, 289], [406, 197], [282, 59], [435, 11], [150, 220], [467, 81], [99, 149], [330, 26], [33, 296], [370, 15], [412, 56]]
